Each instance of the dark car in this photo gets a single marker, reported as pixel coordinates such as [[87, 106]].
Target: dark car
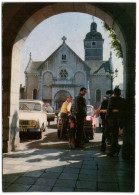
[[88, 124]]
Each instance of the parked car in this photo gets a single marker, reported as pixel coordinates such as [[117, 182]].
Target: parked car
[[32, 118], [88, 124], [51, 116], [57, 112]]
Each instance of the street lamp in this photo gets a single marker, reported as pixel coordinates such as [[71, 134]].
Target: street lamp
[[116, 74]]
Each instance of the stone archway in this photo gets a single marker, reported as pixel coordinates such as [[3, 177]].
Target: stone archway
[[60, 97], [19, 19]]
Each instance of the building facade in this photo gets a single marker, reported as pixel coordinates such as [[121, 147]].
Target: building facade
[[63, 73]]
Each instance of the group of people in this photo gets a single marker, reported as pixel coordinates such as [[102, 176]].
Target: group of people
[[112, 112], [73, 121], [115, 119]]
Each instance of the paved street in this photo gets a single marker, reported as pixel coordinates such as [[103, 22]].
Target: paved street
[[47, 165]]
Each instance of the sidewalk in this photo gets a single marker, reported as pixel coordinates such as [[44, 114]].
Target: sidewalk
[[63, 170]]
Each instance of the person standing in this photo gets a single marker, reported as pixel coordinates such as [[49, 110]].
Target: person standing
[[71, 131], [49, 109], [80, 113], [65, 110], [105, 128], [114, 117]]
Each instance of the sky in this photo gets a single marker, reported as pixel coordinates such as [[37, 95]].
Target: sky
[[47, 37]]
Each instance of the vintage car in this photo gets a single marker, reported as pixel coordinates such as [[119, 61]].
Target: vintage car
[[88, 124], [32, 118], [51, 116], [57, 112]]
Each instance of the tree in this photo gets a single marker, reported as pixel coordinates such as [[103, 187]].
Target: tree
[[115, 43]]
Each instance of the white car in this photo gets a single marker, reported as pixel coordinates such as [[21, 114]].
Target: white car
[[32, 117]]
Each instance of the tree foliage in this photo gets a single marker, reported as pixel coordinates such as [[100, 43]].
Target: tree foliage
[[115, 43]]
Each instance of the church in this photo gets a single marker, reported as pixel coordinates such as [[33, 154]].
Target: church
[[63, 73]]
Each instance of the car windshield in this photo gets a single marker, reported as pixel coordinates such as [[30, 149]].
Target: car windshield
[[29, 106], [89, 111]]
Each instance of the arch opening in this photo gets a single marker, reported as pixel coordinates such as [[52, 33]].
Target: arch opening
[[34, 18]]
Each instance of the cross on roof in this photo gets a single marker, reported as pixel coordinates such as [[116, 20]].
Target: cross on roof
[[64, 39]]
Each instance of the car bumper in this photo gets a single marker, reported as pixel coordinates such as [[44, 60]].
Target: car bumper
[[88, 128], [50, 119], [34, 130], [27, 130]]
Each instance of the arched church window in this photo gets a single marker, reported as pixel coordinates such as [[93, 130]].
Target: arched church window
[[98, 95], [93, 44], [63, 73], [34, 94], [63, 57]]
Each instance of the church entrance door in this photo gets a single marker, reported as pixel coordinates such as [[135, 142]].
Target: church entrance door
[[60, 97]]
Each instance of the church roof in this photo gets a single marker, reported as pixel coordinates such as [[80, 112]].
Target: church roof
[[57, 51], [93, 35], [33, 66], [41, 65], [105, 67]]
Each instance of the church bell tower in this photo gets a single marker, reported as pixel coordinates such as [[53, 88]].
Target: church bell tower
[[93, 44]]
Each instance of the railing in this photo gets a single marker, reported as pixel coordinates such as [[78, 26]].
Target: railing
[[63, 81]]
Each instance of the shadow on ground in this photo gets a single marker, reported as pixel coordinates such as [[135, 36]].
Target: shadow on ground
[[69, 171], [50, 140]]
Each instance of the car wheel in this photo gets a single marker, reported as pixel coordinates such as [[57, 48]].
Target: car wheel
[[58, 133], [39, 136], [89, 136]]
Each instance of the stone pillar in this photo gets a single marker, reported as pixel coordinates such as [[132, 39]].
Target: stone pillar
[[6, 104], [40, 87], [53, 102], [11, 138], [86, 86], [88, 91], [129, 130]]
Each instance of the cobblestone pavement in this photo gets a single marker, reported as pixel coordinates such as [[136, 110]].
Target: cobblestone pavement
[[42, 167]]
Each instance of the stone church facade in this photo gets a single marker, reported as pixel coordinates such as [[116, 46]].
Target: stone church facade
[[63, 73]]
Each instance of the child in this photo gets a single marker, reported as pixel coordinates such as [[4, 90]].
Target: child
[[71, 131]]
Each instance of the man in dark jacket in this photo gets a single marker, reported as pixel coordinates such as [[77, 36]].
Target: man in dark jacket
[[115, 117], [103, 110], [80, 113]]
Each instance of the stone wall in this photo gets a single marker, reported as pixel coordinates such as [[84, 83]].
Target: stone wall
[[19, 19], [32, 83]]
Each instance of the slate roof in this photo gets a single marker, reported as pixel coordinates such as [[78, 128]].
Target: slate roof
[[93, 34], [105, 67], [33, 67], [96, 36], [41, 66]]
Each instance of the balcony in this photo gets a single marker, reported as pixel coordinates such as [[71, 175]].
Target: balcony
[[63, 81]]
